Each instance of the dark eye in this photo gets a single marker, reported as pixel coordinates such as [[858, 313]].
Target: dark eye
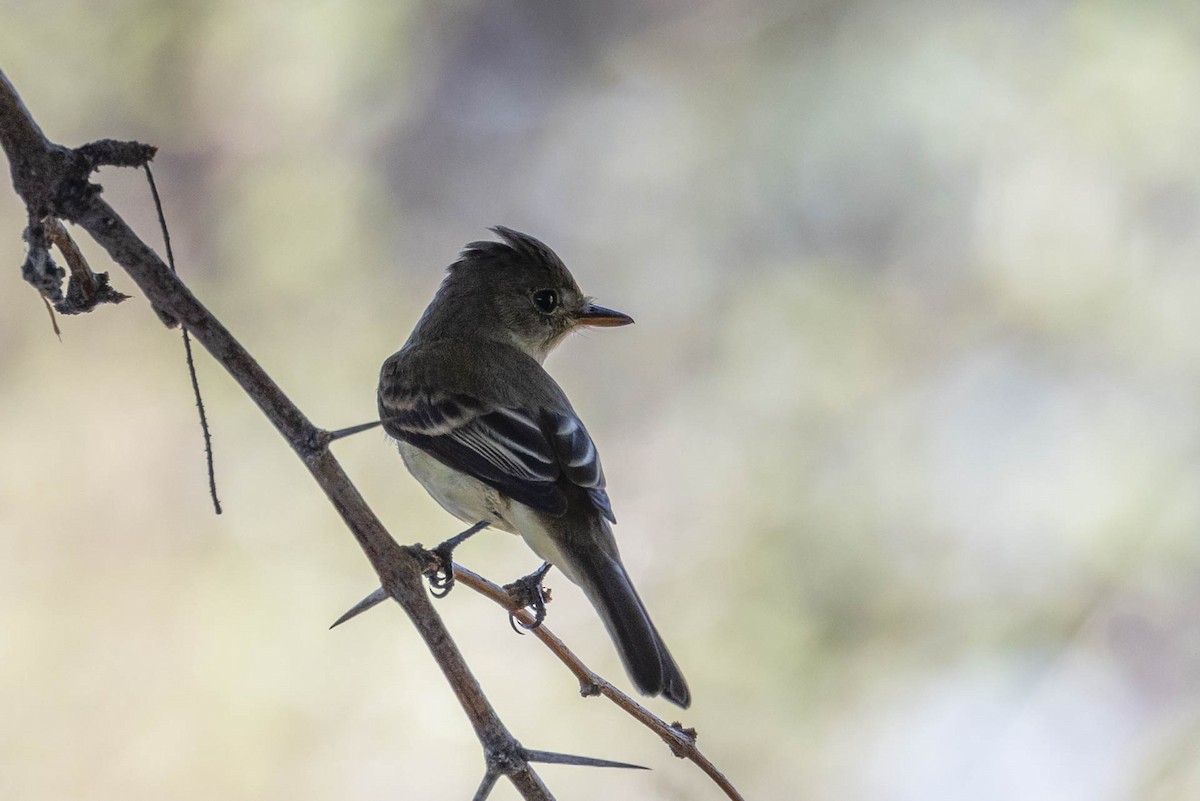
[[546, 300]]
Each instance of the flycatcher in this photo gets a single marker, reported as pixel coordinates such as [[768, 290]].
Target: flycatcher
[[494, 440]]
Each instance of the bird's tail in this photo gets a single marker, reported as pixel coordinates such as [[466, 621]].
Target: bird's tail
[[643, 652]]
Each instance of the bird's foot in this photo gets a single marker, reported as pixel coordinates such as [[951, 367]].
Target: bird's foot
[[528, 592], [441, 569]]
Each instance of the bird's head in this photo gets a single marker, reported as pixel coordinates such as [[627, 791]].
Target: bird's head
[[520, 289]]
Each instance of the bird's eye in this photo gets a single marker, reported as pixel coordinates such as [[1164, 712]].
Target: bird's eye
[[546, 300]]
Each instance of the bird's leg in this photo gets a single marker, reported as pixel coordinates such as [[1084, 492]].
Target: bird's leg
[[440, 569], [441, 578], [529, 592], [525, 592]]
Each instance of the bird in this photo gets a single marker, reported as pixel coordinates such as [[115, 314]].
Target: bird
[[492, 437]]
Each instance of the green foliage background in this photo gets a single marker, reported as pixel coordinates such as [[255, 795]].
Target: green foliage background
[[904, 446]]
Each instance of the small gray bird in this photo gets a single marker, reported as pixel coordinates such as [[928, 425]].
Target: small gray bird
[[493, 438]]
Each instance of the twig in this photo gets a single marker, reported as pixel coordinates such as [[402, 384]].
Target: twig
[[681, 741], [53, 319], [87, 289], [187, 346]]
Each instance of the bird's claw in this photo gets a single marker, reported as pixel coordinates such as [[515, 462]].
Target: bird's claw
[[528, 592], [441, 562], [441, 572]]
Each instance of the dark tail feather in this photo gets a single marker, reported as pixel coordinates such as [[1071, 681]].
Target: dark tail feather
[[642, 650]]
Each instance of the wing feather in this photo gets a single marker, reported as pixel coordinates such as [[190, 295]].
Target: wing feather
[[505, 447]]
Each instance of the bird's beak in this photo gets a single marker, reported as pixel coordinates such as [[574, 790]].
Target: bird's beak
[[601, 317]]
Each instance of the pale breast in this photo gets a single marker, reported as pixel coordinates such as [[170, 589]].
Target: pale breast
[[467, 498]]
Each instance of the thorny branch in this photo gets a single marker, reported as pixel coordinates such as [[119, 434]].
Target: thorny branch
[[53, 181], [681, 741]]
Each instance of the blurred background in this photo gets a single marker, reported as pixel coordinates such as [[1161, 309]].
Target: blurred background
[[904, 445]]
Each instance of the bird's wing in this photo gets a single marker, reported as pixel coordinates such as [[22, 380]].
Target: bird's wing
[[521, 453]]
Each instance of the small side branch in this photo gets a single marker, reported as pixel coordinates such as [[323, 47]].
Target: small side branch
[[681, 740], [86, 290], [187, 345]]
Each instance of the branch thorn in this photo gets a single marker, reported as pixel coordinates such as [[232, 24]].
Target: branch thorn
[[374, 599]]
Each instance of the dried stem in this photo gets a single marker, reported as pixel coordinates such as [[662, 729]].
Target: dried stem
[[187, 346], [681, 741]]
